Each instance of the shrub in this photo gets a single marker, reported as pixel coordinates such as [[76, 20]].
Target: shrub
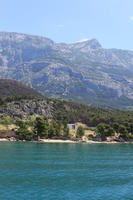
[[123, 131], [6, 120], [104, 131], [80, 131], [116, 127], [23, 132]]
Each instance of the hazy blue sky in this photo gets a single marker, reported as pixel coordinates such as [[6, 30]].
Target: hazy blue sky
[[110, 21]]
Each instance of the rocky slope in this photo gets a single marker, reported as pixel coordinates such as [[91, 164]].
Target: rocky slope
[[82, 71], [24, 108]]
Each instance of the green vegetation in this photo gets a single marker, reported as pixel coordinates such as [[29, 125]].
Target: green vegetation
[[123, 131], [60, 113], [23, 133], [6, 120], [104, 130], [69, 112], [42, 128], [10, 89], [80, 132]]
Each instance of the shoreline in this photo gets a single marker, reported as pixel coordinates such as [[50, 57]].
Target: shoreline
[[60, 141]]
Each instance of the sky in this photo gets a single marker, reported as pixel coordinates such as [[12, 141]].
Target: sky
[[109, 21]]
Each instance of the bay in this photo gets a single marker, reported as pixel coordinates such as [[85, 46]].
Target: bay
[[34, 171]]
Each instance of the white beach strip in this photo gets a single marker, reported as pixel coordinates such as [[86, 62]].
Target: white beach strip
[[3, 139], [56, 141]]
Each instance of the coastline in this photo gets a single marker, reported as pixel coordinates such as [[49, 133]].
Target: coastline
[[76, 142], [60, 141]]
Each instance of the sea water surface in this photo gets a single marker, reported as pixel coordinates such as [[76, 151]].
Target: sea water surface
[[33, 171]]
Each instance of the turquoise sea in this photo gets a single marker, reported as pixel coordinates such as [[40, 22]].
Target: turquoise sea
[[32, 171]]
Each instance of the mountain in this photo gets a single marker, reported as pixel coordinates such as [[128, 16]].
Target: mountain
[[82, 71], [11, 88]]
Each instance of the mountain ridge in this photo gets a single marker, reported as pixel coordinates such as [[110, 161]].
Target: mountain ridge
[[82, 71], [15, 89]]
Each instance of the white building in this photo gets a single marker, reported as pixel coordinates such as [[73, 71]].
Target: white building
[[73, 126]]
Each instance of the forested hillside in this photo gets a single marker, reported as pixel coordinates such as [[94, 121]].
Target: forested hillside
[[11, 88]]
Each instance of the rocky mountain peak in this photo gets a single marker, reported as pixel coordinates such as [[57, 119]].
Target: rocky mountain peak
[[94, 44], [87, 44]]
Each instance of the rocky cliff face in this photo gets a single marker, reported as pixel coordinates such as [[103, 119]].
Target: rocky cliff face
[[82, 71], [24, 108]]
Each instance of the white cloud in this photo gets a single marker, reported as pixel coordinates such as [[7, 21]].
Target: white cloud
[[131, 18], [83, 40]]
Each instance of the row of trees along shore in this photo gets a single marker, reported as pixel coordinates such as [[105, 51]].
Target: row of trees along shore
[[124, 131], [41, 128], [44, 128]]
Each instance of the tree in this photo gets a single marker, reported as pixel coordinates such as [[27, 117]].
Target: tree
[[123, 131], [131, 128], [110, 131], [23, 132], [80, 131], [104, 130], [53, 130], [41, 127], [66, 130], [116, 127]]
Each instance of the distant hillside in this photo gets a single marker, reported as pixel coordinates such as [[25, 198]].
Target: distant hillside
[[83, 71], [22, 106], [64, 112], [11, 88]]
